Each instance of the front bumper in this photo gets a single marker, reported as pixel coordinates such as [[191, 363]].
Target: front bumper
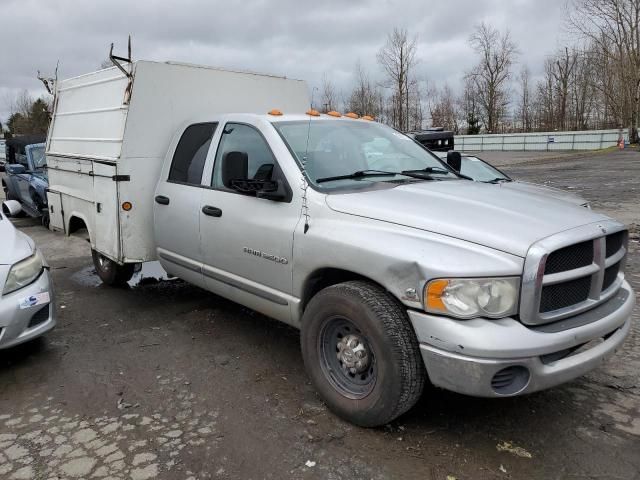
[[19, 325], [465, 355]]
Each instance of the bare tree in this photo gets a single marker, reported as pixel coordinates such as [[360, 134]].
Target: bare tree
[[365, 98], [398, 59], [490, 76], [524, 107], [544, 103], [329, 97], [614, 27], [468, 109], [564, 65], [443, 109]]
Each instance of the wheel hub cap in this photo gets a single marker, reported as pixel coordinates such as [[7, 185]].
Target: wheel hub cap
[[352, 354]]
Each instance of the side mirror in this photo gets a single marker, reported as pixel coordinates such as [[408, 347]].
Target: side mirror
[[235, 166], [15, 169], [11, 208], [272, 190], [2, 169], [454, 160]]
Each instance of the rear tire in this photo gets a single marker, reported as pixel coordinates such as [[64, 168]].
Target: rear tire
[[7, 193], [361, 353], [110, 272]]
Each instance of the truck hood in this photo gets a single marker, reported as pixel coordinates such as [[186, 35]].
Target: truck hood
[[505, 219], [15, 244], [544, 190]]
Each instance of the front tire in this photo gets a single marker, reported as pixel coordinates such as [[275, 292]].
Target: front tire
[[361, 353], [110, 272]]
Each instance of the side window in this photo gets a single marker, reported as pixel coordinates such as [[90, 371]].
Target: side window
[[188, 160], [238, 138]]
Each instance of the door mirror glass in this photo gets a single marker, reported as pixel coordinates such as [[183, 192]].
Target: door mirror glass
[[454, 160], [235, 168]]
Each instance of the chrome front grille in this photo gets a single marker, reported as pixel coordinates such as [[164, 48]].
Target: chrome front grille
[[572, 272]]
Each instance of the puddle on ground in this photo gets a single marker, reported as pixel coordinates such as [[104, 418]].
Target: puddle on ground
[[145, 274]]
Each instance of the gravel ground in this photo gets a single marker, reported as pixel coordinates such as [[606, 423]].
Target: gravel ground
[[164, 380]]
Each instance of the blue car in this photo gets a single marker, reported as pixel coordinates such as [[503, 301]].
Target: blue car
[[26, 176]]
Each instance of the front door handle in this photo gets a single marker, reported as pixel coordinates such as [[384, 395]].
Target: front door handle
[[162, 200], [211, 211]]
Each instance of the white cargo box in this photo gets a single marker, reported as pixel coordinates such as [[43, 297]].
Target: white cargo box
[[110, 133]]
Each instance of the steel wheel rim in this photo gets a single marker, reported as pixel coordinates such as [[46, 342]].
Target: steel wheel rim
[[346, 358]]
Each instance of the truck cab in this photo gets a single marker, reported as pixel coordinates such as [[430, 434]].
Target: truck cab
[[331, 224]]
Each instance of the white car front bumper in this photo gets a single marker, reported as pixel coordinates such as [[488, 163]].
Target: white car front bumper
[[27, 313]]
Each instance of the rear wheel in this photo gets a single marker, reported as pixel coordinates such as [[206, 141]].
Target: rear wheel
[[7, 193], [111, 272], [361, 353], [46, 220]]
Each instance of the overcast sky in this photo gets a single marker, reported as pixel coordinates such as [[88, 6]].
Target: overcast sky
[[297, 38]]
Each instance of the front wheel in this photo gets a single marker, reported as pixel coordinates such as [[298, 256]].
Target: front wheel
[[361, 353], [110, 272]]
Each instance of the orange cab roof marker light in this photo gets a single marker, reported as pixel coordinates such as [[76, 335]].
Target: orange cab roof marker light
[[368, 117], [275, 112], [351, 115], [313, 113], [333, 113]]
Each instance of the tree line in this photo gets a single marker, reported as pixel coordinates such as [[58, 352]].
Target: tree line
[[593, 83]]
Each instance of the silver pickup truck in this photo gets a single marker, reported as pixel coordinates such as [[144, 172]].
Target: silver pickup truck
[[397, 271]]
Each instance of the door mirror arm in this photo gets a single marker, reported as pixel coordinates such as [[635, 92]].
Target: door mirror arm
[[269, 189], [273, 190]]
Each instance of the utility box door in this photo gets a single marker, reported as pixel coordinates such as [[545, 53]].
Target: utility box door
[[105, 197], [56, 217]]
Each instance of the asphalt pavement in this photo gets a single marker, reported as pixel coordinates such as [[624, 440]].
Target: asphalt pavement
[[165, 380]]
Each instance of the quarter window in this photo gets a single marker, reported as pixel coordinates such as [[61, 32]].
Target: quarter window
[[188, 160]]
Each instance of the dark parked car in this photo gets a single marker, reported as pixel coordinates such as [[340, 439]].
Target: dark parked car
[[436, 139], [26, 177]]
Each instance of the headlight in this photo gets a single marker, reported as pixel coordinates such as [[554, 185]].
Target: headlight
[[473, 297], [24, 272]]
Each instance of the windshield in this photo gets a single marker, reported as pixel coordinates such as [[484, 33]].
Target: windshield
[[38, 157], [342, 147]]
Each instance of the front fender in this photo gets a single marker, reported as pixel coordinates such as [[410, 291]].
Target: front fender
[[401, 259]]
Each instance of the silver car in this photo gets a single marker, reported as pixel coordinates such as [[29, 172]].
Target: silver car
[[27, 310]]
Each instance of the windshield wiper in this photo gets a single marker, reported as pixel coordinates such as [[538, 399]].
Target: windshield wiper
[[357, 174], [498, 180], [420, 174], [436, 170]]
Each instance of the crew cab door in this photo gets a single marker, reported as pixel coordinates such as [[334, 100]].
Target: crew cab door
[[176, 209], [247, 241]]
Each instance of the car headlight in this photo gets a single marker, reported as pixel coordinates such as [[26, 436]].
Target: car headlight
[[24, 273], [473, 297]]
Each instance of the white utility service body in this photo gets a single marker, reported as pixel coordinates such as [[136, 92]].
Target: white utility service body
[[110, 133]]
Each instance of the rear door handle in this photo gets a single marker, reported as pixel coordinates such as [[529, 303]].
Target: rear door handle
[[162, 200], [211, 211]]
